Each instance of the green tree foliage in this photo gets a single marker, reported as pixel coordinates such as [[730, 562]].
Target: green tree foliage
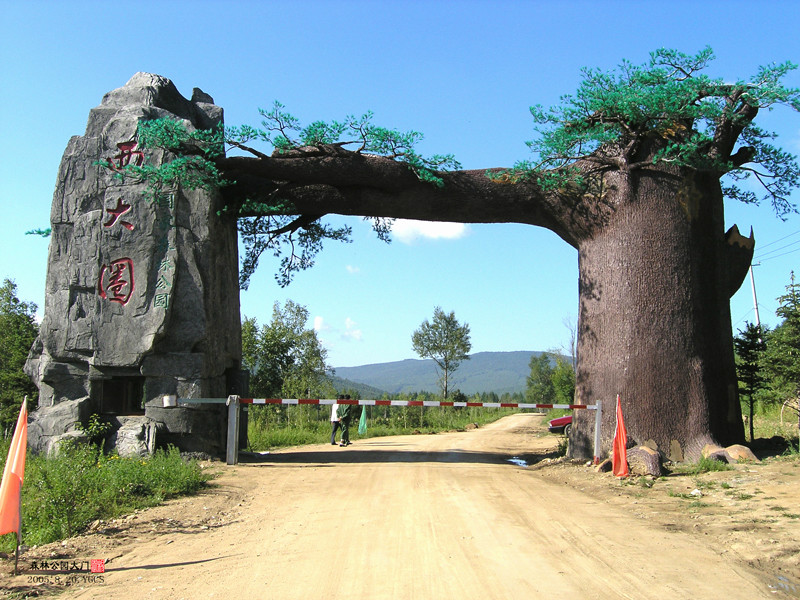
[[272, 225], [693, 121], [540, 389], [284, 358], [445, 341], [563, 378], [550, 383], [18, 331], [782, 356], [750, 347]]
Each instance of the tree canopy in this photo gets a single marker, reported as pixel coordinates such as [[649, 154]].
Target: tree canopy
[[444, 340], [781, 358], [18, 331], [666, 111], [284, 358]]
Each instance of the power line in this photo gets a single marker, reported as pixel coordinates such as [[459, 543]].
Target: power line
[[760, 260], [780, 239], [778, 249]]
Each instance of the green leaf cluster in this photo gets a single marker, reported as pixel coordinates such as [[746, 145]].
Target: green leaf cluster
[[551, 380], [666, 111], [18, 331], [175, 136], [295, 246], [444, 340], [285, 132], [285, 359]]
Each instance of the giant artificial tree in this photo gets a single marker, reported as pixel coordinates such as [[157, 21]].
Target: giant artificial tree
[[632, 170]]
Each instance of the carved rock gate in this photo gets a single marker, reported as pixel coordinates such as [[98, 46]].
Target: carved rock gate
[[142, 296]]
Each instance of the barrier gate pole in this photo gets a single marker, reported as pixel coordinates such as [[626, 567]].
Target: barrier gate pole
[[232, 454], [598, 418]]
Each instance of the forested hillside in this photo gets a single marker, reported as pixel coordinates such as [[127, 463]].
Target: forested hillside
[[498, 372]]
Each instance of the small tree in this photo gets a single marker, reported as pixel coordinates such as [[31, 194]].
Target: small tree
[[563, 378], [540, 388], [284, 358], [782, 356], [445, 341], [750, 347], [18, 331]]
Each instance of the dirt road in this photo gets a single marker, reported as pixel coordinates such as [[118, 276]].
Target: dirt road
[[425, 517]]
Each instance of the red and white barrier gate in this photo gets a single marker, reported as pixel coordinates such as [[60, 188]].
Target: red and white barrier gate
[[233, 403]]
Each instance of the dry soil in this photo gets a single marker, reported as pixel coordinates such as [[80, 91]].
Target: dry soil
[[480, 514]]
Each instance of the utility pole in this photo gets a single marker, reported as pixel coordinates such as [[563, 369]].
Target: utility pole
[[755, 299]]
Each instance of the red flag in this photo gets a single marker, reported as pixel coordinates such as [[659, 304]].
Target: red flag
[[619, 461], [13, 474]]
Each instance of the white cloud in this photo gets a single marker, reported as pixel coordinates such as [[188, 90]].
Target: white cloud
[[319, 324], [408, 231], [352, 270], [351, 330]]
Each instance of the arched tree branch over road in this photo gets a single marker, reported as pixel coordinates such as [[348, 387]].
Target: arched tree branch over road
[[629, 170]]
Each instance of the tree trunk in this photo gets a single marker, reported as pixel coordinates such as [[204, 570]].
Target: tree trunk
[[654, 319]]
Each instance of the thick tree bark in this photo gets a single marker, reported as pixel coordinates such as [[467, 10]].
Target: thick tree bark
[[654, 322], [656, 271]]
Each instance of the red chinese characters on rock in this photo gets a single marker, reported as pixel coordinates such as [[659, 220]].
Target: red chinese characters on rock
[[127, 153], [116, 213], [116, 281]]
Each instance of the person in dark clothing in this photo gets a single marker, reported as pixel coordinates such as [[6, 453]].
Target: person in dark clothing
[[344, 412]]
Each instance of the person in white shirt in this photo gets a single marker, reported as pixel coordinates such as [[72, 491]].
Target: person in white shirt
[[335, 423]]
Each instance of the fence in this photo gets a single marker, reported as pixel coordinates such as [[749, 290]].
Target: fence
[[234, 402]]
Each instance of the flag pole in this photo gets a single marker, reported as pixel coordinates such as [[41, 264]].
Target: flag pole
[[19, 528]]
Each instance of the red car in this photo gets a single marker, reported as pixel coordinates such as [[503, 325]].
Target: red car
[[561, 425]]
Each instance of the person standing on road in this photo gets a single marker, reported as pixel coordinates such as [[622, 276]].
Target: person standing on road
[[335, 424], [344, 412]]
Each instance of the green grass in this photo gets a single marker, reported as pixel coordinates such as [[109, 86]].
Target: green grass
[[704, 465], [61, 496], [270, 427], [767, 423]]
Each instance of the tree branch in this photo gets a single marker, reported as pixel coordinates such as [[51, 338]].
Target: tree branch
[[350, 183]]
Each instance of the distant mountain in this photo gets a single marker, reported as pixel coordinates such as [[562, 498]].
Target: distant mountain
[[344, 386], [497, 372]]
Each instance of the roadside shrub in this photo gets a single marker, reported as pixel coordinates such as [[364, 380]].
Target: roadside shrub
[[62, 495]]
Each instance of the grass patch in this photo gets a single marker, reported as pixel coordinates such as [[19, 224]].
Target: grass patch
[[682, 495], [279, 427], [739, 495], [704, 465], [62, 495]]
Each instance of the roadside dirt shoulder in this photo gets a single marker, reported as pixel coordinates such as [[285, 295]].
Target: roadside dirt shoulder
[[482, 514]]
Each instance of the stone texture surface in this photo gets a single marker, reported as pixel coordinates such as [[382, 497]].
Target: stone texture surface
[[135, 436], [737, 453], [48, 428], [136, 289]]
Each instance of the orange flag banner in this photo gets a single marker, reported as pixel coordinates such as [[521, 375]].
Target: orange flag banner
[[619, 461], [13, 474]]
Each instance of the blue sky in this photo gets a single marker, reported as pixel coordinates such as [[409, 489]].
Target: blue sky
[[462, 73]]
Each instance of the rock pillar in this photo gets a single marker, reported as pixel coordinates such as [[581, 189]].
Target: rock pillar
[[142, 295]]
